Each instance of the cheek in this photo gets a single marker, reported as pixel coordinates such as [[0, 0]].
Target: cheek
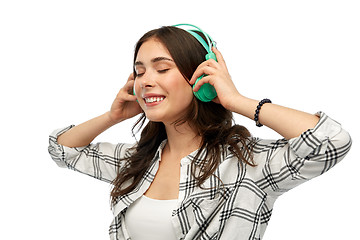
[[179, 83], [183, 92]]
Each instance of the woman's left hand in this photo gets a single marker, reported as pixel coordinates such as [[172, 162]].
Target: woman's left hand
[[216, 73]]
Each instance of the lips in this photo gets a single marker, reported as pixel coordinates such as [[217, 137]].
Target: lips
[[152, 99]]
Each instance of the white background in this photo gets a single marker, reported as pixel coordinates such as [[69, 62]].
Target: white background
[[62, 63]]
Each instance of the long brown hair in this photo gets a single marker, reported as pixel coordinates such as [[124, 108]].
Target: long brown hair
[[212, 121]]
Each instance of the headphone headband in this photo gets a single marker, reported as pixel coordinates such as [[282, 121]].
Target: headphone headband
[[207, 45], [207, 92]]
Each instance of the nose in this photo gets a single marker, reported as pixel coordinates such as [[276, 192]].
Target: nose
[[146, 81]]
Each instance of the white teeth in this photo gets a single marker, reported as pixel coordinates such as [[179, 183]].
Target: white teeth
[[154, 99]]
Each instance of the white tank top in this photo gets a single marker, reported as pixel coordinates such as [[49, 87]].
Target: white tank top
[[149, 218]]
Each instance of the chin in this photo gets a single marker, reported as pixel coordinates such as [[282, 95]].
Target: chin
[[154, 117], [160, 118], [165, 115]]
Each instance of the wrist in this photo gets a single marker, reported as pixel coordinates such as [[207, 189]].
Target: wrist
[[237, 103], [244, 106], [110, 121]]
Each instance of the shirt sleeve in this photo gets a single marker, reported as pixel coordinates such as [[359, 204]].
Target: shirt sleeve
[[284, 164], [101, 160]]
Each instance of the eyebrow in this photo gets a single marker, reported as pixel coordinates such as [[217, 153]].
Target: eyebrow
[[154, 60]]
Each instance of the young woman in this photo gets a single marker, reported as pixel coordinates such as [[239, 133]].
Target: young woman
[[194, 174]]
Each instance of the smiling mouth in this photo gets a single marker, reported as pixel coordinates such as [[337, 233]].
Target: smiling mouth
[[153, 99]]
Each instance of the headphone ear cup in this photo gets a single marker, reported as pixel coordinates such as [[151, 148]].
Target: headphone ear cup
[[134, 93], [206, 93]]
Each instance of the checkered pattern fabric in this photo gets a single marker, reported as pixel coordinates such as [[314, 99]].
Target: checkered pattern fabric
[[237, 207]]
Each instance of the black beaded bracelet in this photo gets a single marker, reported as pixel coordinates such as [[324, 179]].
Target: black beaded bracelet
[[257, 111]]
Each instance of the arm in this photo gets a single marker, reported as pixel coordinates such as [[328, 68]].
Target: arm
[[83, 134], [313, 144], [287, 122], [101, 160], [123, 107], [70, 147], [284, 164]]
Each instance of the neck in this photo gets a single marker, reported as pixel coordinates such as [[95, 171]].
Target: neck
[[181, 140]]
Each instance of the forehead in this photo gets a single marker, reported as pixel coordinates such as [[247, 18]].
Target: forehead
[[152, 48]]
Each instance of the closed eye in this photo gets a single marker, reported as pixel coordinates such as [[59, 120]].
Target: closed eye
[[159, 71], [163, 70]]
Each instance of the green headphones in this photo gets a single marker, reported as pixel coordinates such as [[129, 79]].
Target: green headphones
[[207, 92]]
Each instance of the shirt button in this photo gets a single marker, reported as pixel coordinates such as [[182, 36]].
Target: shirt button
[[185, 161]]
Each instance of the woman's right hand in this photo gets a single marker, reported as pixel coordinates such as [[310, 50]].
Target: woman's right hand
[[125, 105]]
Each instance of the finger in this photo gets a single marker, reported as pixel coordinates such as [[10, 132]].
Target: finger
[[126, 97], [204, 68], [202, 81], [197, 73], [129, 83], [219, 57], [131, 77], [129, 98], [128, 87]]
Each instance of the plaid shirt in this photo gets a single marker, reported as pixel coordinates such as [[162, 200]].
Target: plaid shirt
[[237, 207]]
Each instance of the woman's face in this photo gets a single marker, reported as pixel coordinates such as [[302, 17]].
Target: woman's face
[[162, 91]]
